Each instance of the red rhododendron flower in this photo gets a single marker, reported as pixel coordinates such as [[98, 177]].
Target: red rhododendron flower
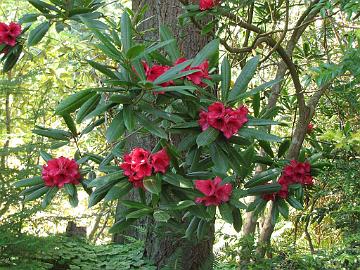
[[227, 120], [196, 77], [207, 4], [152, 73], [9, 33], [160, 161], [61, 171], [140, 163], [310, 128], [295, 172], [214, 192]]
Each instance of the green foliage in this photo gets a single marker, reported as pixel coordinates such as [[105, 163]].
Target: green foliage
[[29, 252]]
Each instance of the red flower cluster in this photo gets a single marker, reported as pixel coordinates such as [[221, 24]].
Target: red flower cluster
[[141, 163], [196, 77], [225, 119], [215, 194], [61, 171], [208, 4], [152, 73], [9, 33], [296, 172], [309, 128]]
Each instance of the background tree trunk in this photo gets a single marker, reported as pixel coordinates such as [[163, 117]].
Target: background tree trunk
[[169, 249]]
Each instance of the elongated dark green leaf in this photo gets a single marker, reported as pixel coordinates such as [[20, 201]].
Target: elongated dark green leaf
[[121, 225], [172, 48], [178, 205], [264, 189], [261, 122], [118, 191], [43, 6], [154, 48], [211, 48], [36, 194], [226, 212], [237, 220], [116, 128], [256, 90], [192, 227], [172, 73], [177, 180], [225, 78], [93, 125], [37, 34], [263, 177], [266, 146], [135, 51], [70, 123], [153, 184], [73, 102], [87, 107], [139, 213], [50, 194], [161, 216], [206, 137], [70, 189], [129, 117], [252, 133], [219, 158], [284, 146], [56, 134], [283, 208], [12, 58], [151, 126], [294, 203], [46, 157], [134, 205], [100, 192], [103, 69], [126, 31], [103, 180], [29, 182], [244, 78]]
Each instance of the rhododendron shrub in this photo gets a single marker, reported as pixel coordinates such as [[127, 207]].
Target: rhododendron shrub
[[205, 138]]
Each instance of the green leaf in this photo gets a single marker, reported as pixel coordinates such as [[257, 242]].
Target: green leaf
[[121, 225], [135, 51], [118, 191], [139, 213], [219, 158], [36, 35], [154, 48], [87, 107], [172, 48], [225, 78], [284, 146], [211, 48], [244, 78], [266, 146], [42, 6], [129, 117], [73, 102], [206, 137], [151, 126], [29, 182], [74, 200], [134, 205], [226, 212], [153, 184], [126, 32], [264, 189], [50, 194], [103, 180], [201, 229], [70, 123], [103, 69], [36, 194], [46, 157], [70, 189], [55, 134], [261, 122], [12, 58], [251, 133], [178, 205], [283, 208], [237, 220], [192, 227], [177, 180], [172, 73], [263, 177], [161, 216], [294, 203], [256, 90], [116, 128]]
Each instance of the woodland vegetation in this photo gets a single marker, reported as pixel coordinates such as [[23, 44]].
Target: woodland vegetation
[[179, 134]]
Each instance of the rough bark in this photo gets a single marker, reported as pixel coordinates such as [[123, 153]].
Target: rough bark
[[161, 247]]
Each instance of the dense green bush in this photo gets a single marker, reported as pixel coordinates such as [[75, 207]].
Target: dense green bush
[[61, 252]]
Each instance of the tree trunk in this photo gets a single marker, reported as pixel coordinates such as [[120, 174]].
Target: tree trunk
[[162, 244]]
